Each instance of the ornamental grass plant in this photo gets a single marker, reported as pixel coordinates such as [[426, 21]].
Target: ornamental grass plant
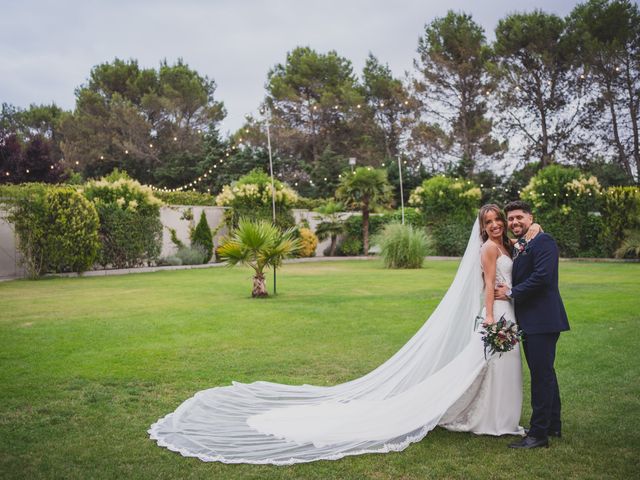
[[402, 246]]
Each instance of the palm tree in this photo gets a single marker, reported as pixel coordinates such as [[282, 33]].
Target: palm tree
[[365, 189], [260, 245], [331, 224]]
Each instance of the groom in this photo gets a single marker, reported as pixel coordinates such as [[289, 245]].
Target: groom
[[541, 315]]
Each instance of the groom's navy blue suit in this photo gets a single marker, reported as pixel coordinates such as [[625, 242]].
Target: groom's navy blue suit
[[541, 315]]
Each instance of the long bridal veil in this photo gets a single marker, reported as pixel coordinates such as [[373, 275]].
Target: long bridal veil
[[394, 405]]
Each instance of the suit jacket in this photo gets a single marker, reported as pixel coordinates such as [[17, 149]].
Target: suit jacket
[[537, 302]]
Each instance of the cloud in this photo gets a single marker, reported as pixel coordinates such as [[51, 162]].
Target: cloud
[[47, 49]]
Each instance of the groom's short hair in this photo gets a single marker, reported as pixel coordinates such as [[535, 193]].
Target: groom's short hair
[[518, 205]]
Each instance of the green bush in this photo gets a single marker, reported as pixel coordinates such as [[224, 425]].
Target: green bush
[[28, 212], [450, 238], [621, 212], [185, 198], [349, 246], [130, 227], [250, 197], [402, 246], [567, 204], [630, 246], [353, 226], [170, 260], [194, 255], [202, 238], [448, 207], [72, 230], [57, 227]]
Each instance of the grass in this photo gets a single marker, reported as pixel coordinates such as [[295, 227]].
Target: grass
[[87, 364]]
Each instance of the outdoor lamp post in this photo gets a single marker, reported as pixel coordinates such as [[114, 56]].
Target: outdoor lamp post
[[267, 115], [401, 192]]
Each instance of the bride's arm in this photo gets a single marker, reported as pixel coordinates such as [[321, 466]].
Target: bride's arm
[[489, 258]]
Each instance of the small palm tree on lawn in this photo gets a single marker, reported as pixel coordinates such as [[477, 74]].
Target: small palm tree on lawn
[[365, 189], [331, 224], [260, 245]]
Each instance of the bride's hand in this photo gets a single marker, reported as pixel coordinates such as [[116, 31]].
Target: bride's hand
[[488, 321], [534, 230]]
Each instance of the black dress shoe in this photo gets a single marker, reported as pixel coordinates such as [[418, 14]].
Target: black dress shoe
[[531, 442], [550, 433]]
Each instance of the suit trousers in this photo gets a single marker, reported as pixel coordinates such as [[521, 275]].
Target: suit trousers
[[540, 353]]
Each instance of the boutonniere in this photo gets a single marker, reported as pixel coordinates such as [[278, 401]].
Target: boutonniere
[[520, 248]]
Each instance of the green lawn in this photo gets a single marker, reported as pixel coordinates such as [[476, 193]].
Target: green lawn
[[87, 364]]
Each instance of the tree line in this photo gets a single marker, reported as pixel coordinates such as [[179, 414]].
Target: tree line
[[547, 90]]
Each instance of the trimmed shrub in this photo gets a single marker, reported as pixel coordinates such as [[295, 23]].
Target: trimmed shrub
[[185, 198], [72, 230], [621, 211], [350, 246], [630, 247], [402, 246], [171, 260], [202, 238], [130, 227], [309, 242], [193, 255], [567, 205], [57, 228], [250, 197], [448, 207]]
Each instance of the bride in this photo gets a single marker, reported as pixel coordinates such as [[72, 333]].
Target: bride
[[439, 377]]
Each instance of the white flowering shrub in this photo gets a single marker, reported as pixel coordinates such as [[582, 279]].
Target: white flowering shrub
[[250, 197], [130, 227], [568, 204], [448, 207]]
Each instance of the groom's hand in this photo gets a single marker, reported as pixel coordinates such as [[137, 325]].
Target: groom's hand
[[500, 292]]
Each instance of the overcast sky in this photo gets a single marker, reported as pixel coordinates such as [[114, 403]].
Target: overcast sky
[[47, 48]]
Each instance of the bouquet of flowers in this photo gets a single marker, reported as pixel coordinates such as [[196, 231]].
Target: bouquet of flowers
[[500, 337]]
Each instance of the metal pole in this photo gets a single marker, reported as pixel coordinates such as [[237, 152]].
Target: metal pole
[[273, 194], [401, 192]]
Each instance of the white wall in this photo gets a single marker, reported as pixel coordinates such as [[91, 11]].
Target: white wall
[[171, 217], [9, 255]]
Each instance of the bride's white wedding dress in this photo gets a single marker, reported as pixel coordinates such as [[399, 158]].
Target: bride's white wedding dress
[[439, 377]]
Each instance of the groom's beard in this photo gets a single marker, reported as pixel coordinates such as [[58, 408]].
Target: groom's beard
[[522, 233]]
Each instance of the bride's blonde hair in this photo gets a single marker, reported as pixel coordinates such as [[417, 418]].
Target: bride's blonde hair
[[492, 207]]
